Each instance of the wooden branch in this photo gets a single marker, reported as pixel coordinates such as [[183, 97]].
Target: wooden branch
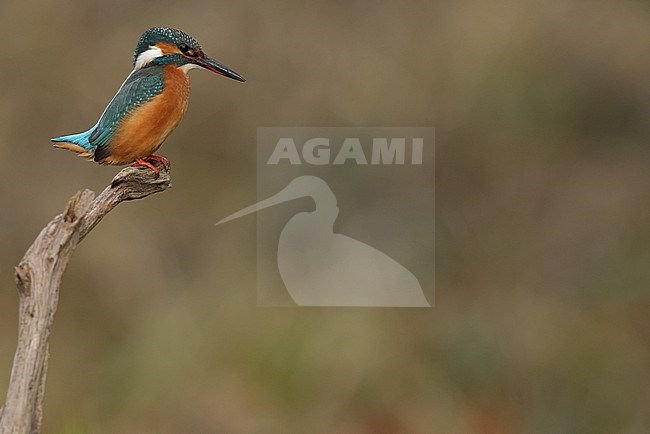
[[38, 277]]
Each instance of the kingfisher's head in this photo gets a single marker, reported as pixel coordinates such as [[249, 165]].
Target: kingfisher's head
[[165, 46]]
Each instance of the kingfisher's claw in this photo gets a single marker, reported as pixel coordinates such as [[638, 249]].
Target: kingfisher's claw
[[157, 159], [144, 163]]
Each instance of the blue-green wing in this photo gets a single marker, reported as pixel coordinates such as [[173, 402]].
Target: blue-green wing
[[139, 87]]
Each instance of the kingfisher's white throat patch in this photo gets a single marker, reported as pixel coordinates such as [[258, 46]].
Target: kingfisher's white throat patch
[[188, 66], [147, 56]]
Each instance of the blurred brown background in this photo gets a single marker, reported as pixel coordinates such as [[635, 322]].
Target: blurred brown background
[[543, 196]]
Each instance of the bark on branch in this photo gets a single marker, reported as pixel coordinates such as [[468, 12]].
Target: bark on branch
[[38, 277]]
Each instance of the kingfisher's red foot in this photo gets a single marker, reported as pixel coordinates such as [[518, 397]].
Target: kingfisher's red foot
[[157, 159], [144, 163]]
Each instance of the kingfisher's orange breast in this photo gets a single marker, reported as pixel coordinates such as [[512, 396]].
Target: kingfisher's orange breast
[[142, 132]]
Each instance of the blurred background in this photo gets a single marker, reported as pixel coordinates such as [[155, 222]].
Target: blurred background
[[542, 234]]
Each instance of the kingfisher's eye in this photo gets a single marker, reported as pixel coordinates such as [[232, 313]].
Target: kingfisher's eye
[[185, 49]]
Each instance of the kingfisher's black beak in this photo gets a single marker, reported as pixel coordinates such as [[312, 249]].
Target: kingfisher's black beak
[[214, 66]]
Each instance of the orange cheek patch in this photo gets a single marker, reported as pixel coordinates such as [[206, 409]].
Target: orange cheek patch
[[168, 48]]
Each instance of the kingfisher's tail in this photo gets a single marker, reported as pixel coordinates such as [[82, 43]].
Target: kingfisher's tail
[[78, 143]]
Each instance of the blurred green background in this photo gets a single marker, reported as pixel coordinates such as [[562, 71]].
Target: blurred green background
[[541, 321]]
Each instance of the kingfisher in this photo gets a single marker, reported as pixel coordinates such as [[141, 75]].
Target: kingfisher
[[150, 103]]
